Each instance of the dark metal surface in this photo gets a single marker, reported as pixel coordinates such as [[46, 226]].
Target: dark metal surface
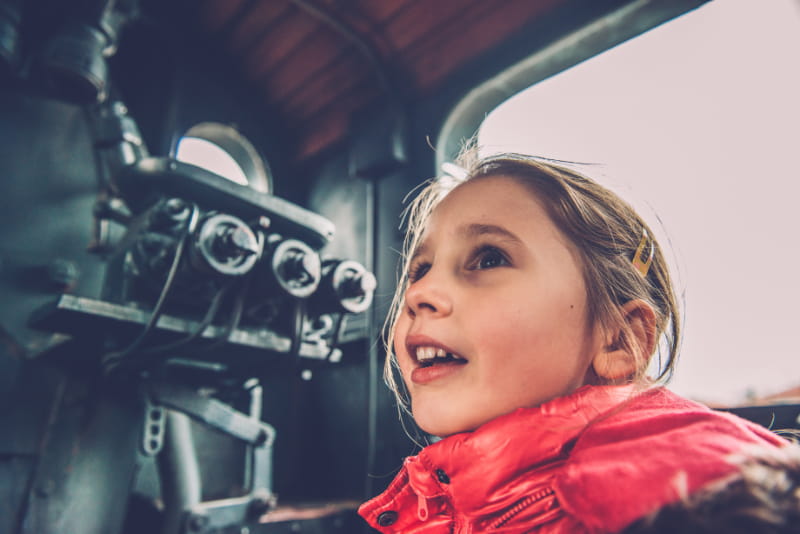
[[78, 477], [151, 176], [335, 522], [213, 413], [185, 512], [776, 417], [81, 316], [179, 471], [47, 193]]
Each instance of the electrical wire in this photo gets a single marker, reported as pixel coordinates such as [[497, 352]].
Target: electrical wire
[[298, 321], [337, 334], [208, 318], [236, 317], [112, 359]]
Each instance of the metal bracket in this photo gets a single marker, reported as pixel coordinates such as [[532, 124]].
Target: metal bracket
[[153, 433], [207, 517]]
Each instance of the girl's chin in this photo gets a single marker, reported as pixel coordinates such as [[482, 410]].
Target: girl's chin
[[442, 425]]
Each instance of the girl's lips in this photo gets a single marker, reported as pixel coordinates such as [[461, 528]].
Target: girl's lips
[[426, 375]]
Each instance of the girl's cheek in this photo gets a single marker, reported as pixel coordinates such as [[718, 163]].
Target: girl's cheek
[[401, 353], [403, 358]]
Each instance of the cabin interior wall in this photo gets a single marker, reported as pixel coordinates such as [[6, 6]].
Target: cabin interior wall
[[319, 410], [169, 83], [47, 192], [338, 431]]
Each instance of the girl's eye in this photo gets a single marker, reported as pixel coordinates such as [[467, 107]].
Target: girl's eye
[[489, 258], [417, 271]]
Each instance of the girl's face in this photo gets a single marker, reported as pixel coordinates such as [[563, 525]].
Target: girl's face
[[495, 313]]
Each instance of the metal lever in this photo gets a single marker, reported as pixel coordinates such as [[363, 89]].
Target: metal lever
[[206, 517]]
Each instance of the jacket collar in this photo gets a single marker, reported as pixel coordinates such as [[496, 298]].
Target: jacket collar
[[504, 444], [611, 454]]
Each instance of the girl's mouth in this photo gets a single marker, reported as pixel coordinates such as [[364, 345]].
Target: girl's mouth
[[428, 356]]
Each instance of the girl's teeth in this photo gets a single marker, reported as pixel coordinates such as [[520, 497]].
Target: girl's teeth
[[429, 353], [426, 353]]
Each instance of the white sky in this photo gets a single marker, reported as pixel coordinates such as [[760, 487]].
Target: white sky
[[697, 121], [210, 156]]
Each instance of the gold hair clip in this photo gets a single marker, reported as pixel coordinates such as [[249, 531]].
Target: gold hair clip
[[640, 263]]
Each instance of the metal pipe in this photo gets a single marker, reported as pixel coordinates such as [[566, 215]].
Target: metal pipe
[[179, 472]]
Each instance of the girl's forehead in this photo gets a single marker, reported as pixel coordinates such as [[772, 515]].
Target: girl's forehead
[[497, 203], [495, 196]]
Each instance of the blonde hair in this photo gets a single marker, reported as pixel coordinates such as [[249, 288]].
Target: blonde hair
[[605, 230]]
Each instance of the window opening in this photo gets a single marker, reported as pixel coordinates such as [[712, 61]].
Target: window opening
[[221, 149], [695, 123], [210, 156]]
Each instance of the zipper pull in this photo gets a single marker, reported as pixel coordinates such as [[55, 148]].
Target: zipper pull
[[422, 508]]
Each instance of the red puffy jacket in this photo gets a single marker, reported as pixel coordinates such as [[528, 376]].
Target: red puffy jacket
[[591, 462]]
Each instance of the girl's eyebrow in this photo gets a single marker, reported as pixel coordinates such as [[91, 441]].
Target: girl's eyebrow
[[477, 230]]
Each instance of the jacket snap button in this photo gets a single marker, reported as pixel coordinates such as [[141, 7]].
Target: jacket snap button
[[388, 518], [442, 476]]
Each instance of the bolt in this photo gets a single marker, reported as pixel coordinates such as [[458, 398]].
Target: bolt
[[119, 108], [62, 274], [171, 213], [198, 522], [259, 506], [358, 284], [240, 240], [233, 242], [46, 488], [175, 206], [298, 267], [311, 266]]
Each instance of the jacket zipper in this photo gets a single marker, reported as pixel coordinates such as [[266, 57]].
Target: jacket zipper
[[521, 505]]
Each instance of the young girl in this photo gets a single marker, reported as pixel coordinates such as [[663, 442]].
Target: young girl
[[523, 327]]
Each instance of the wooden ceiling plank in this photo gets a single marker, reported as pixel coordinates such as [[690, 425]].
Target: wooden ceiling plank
[[441, 42], [368, 17], [279, 46], [422, 18], [316, 77], [318, 72], [436, 54], [260, 23], [215, 14], [321, 134], [380, 12], [355, 98], [314, 88], [329, 93], [435, 60]]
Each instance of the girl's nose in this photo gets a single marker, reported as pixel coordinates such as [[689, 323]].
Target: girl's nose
[[428, 295]]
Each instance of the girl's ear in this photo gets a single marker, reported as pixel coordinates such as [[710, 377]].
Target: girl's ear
[[621, 357]]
